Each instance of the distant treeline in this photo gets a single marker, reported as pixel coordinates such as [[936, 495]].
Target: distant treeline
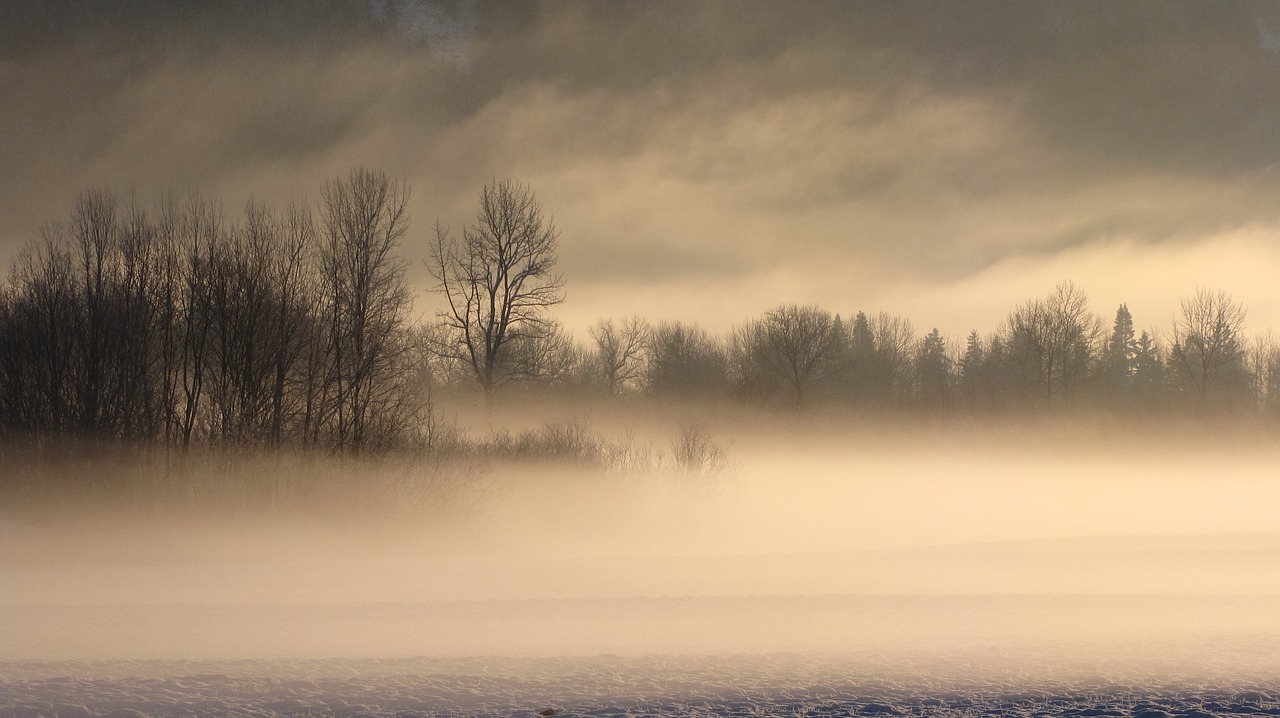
[[177, 325]]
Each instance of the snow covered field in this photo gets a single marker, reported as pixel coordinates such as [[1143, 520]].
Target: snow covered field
[[1148, 655], [775, 684], [884, 586]]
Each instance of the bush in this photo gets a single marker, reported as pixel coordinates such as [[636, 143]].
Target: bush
[[695, 453]]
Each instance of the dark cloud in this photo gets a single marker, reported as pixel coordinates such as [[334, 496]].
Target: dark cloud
[[732, 142]]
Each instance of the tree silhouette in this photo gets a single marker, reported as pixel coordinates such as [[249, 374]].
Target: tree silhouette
[[1049, 344], [933, 371], [498, 282], [973, 369], [863, 372], [1208, 350], [881, 354], [1118, 362], [1264, 367], [685, 361], [1150, 378], [620, 352], [792, 350], [894, 344], [181, 326], [363, 218]]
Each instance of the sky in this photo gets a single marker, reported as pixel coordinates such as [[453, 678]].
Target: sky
[[703, 161]]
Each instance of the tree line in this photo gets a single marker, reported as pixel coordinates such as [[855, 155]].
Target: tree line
[[177, 324], [1051, 353]]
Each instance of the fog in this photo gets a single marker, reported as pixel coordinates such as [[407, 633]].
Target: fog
[[229, 443], [1050, 539]]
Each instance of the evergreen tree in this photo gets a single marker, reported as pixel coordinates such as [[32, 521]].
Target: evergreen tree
[[1119, 359], [1149, 374], [841, 384], [971, 368], [838, 328], [861, 359], [933, 371]]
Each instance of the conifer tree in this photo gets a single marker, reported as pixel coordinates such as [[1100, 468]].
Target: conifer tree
[[1119, 356], [971, 368], [1149, 374], [933, 371]]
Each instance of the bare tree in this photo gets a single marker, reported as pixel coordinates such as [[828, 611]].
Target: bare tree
[[258, 319], [1264, 369], [619, 355], [365, 299], [1050, 344], [38, 350], [166, 296], [179, 327], [293, 330], [547, 358], [1208, 350], [894, 340], [746, 364], [93, 234], [685, 362], [498, 282], [202, 230], [792, 350]]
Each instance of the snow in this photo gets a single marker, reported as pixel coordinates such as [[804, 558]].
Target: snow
[[774, 684]]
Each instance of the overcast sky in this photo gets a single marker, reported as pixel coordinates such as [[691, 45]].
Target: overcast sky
[[704, 161]]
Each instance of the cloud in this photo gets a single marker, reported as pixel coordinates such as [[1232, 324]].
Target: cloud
[[703, 161], [1267, 40]]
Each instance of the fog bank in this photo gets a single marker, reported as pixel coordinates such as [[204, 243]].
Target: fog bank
[[884, 543]]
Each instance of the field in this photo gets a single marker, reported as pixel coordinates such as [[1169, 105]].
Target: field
[[878, 580], [772, 684]]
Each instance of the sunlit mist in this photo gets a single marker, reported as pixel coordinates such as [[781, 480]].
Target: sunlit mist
[[397, 358]]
